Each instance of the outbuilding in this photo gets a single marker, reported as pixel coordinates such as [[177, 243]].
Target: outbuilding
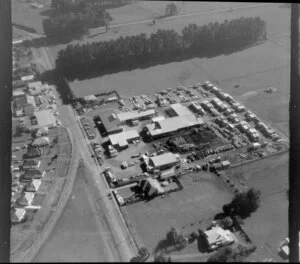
[[218, 237]]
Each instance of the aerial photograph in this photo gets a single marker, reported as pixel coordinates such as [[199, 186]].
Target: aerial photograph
[[150, 131]]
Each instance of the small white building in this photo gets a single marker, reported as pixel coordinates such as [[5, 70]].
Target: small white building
[[218, 237]]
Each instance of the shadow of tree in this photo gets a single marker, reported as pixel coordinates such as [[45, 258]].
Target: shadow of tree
[[220, 216], [164, 246], [202, 245]]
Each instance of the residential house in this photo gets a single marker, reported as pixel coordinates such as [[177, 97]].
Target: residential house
[[150, 187], [34, 185], [32, 153], [41, 141], [31, 164], [26, 198], [32, 174], [17, 215], [218, 237]]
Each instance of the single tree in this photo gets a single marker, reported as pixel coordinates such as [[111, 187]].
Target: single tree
[[172, 236], [226, 223], [171, 9]]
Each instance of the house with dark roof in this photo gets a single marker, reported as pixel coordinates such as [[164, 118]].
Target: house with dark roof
[[32, 153], [26, 198], [109, 122], [34, 185], [32, 174], [31, 164], [20, 101]]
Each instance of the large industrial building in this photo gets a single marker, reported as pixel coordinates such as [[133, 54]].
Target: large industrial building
[[182, 119], [163, 162], [121, 140]]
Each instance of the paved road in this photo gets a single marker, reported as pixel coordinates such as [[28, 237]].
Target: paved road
[[69, 119]]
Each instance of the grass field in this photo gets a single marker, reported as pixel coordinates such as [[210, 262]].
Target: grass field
[[76, 236], [202, 197], [269, 225], [24, 14]]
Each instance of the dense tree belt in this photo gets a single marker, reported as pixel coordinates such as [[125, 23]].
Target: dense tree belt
[[96, 58]]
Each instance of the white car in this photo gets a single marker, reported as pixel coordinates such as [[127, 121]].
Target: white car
[[58, 122], [55, 113]]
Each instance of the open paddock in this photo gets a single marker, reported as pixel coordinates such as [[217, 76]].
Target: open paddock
[[269, 225], [202, 196]]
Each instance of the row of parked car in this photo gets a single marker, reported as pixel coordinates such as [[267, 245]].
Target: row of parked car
[[98, 152], [203, 154], [87, 128]]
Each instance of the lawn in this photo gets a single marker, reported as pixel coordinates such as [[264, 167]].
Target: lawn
[[269, 225], [202, 197]]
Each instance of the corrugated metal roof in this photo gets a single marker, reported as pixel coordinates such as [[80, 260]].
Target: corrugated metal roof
[[164, 159], [135, 115]]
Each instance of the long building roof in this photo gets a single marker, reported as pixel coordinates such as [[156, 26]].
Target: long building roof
[[124, 116], [164, 159], [173, 124]]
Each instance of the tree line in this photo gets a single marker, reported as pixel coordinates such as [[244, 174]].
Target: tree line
[[163, 46], [74, 19]]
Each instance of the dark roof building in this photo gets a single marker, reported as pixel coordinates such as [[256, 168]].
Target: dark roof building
[[32, 153], [110, 122], [32, 174]]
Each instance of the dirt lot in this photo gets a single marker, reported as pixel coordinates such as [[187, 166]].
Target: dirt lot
[[77, 236], [202, 197], [269, 225]]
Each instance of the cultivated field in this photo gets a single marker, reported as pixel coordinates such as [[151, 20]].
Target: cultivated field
[[269, 225], [202, 197]]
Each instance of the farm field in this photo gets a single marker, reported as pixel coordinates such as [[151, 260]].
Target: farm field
[[24, 14], [77, 236], [208, 12], [202, 197], [269, 225]]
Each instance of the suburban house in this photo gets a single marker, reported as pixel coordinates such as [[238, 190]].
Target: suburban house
[[41, 141], [32, 174], [17, 215], [31, 164], [163, 162], [218, 237], [28, 109], [42, 131], [32, 153], [150, 187], [26, 198], [34, 185]]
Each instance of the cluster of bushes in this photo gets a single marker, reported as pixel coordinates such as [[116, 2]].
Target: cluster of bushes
[[228, 254], [243, 204], [163, 46], [74, 19]]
